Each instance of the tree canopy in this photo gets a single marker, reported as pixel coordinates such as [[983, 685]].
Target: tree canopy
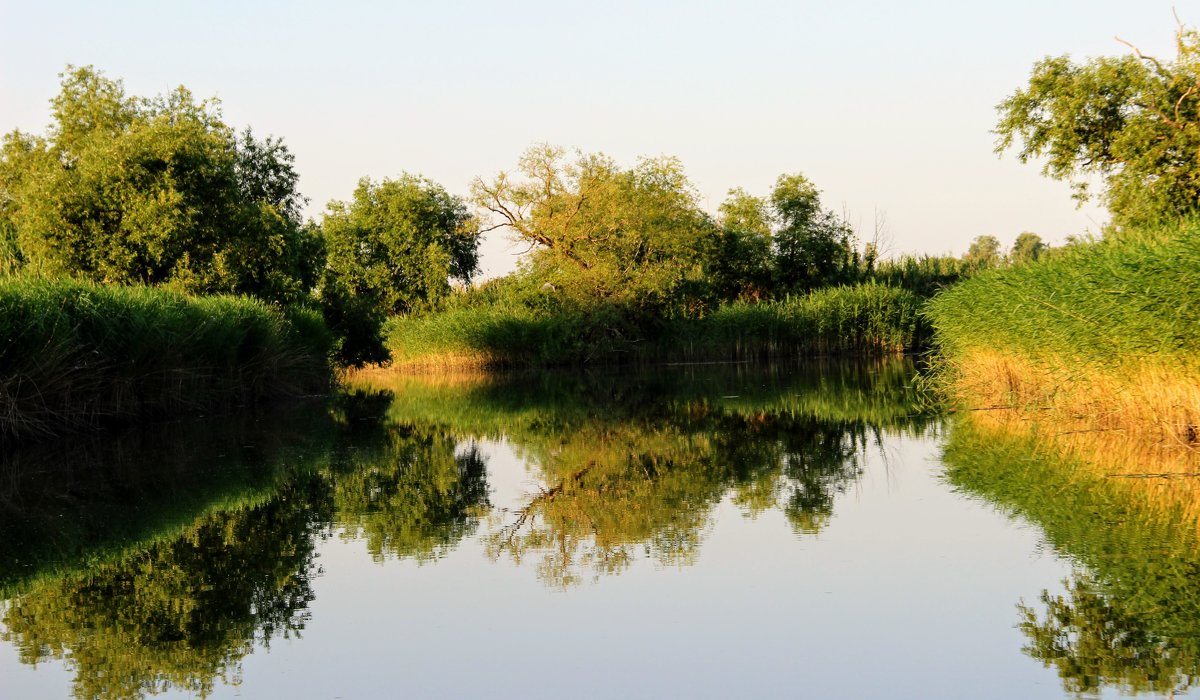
[[630, 235], [123, 189], [400, 242], [1132, 121]]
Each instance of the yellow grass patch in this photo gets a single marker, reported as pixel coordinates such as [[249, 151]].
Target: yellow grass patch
[[1146, 401]]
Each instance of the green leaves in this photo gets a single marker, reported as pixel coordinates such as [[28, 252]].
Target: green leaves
[[1132, 121], [155, 191], [399, 242]]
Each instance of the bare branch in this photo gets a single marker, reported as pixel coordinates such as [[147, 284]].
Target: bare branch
[[1143, 57]]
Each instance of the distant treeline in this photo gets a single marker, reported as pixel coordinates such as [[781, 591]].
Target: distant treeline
[[161, 192]]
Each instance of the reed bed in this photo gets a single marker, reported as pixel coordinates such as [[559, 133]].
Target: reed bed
[[867, 319], [77, 356], [1108, 331]]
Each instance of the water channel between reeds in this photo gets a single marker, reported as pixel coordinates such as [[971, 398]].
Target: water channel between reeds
[[810, 531]]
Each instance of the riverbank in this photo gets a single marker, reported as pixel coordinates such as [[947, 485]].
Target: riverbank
[[862, 320], [1108, 332], [77, 356]]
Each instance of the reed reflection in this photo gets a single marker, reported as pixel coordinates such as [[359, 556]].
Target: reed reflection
[[1129, 616]]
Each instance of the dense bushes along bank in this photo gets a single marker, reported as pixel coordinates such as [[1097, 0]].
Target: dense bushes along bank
[[1109, 330], [75, 355], [511, 330]]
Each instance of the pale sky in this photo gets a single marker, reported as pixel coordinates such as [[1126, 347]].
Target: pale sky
[[886, 106]]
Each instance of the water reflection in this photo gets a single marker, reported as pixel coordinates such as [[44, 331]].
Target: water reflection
[[179, 614], [629, 467], [1129, 617], [158, 560]]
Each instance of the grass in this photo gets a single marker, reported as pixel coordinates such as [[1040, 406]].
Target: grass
[[865, 319], [1109, 330], [77, 356]]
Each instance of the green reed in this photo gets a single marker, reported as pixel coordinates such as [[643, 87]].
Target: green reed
[[75, 355], [859, 320]]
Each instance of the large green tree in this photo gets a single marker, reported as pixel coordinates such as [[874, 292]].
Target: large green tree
[[1132, 122], [813, 246], [124, 189], [392, 249], [398, 243], [739, 260], [602, 232]]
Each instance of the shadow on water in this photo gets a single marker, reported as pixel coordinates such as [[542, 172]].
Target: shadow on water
[[1129, 615], [159, 560]]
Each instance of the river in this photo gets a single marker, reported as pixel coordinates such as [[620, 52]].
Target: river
[[705, 531]]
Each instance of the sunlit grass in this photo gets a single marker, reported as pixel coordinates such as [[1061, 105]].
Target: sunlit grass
[[866, 319], [1109, 330]]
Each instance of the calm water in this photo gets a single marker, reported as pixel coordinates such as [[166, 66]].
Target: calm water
[[691, 532]]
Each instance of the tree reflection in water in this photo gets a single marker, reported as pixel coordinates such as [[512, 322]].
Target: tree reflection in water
[[179, 614], [173, 586], [633, 466]]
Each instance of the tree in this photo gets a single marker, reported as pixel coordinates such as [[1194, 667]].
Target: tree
[[154, 191], [398, 243], [983, 253], [738, 260], [600, 232], [392, 249], [813, 247], [1027, 248], [1132, 121]]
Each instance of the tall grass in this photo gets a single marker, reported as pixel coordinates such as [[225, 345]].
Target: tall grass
[[864, 319], [75, 355], [924, 276], [1110, 330]]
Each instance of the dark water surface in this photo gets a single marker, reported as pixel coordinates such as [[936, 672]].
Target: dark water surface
[[697, 531]]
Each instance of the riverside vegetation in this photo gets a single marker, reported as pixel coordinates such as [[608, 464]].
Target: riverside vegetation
[[1108, 331], [624, 265], [120, 224]]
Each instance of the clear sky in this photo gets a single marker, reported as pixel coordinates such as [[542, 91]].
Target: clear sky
[[886, 106]]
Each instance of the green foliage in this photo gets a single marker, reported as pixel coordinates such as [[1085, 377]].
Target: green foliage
[[924, 276], [154, 191], [75, 355], [983, 253], [813, 247], [632, 237], [1027, 248], [518, 326], [1104, 303], [1131, 121], [739, 259], [860, 320], [398, 243], [392, 249]]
